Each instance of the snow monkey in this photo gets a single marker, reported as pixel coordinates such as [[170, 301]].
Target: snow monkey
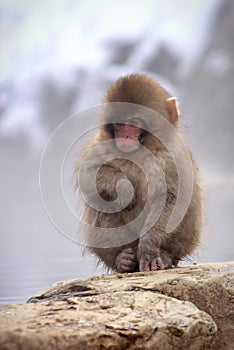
[[133, 155]]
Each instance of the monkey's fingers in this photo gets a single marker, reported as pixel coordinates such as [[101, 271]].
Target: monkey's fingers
[[165, 259], [157, 264], [144, 264], [153, 263]]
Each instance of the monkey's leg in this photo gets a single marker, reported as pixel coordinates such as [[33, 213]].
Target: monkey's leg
[[126, 261]]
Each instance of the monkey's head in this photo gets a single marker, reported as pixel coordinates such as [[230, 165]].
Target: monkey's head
[[129, 130]]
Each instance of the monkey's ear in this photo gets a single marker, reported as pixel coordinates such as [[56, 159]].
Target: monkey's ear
[[173, 109]]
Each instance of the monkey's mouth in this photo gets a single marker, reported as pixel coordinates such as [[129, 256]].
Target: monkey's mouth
[[126, 145]]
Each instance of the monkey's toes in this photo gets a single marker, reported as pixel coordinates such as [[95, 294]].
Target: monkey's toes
[[126, 261]]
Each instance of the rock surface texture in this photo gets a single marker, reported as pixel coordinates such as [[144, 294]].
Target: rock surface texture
[[183, 308]]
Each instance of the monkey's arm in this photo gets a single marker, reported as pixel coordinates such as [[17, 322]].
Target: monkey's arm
[[160, 250]]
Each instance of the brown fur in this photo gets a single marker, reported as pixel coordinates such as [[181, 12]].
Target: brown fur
[[156, 249]]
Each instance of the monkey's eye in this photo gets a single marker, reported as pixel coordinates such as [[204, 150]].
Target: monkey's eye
[[118, 125], [135, 122]]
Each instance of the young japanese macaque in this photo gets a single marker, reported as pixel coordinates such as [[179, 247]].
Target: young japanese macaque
[[141, 176]]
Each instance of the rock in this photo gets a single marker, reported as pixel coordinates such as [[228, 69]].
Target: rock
[[172, 309], [120, 320]]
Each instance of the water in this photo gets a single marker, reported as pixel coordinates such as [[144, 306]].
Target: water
[[33, 254], [25, 272]]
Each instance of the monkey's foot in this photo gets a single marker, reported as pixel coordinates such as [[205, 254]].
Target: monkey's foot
[[159, 261], [126, 261]]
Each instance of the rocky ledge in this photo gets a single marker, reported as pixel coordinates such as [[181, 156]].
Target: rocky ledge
[[184, 308]]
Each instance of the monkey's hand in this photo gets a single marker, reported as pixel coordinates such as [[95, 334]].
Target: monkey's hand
[[106, 181], [113, 185], [151, 261], [126, 261]]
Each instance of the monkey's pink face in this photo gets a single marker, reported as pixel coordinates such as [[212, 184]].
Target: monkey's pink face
[[127, 134]]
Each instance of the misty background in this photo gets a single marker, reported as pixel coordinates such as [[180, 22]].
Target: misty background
[[58, 58]]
